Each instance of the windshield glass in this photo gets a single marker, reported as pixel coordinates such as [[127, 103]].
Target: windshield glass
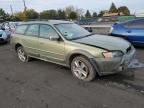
[[72, 31]]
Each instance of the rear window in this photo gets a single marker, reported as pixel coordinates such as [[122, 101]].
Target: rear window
[[21, 29]]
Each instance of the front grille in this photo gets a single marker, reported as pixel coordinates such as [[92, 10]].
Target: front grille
[[128, 49]]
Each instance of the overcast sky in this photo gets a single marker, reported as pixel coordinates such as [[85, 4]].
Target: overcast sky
[[92, 5]]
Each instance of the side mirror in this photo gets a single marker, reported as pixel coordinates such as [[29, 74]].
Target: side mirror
[[54, 38]]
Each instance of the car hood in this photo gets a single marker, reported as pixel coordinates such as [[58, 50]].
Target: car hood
[[105, 42]]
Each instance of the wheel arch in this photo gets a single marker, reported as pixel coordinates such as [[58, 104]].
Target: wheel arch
[[75, 53], [17, 45]]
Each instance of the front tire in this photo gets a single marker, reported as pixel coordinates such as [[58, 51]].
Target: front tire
[[82, 68], [22, 54]]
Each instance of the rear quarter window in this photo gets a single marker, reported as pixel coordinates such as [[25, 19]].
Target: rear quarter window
[[21, 29]]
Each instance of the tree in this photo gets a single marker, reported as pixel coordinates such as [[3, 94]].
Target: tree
[[69, 9], [8, 17], [2, 14], [124, 10], [101, 13], [113, 8], [73, 15], [20, 16], [52, 14], [14, 18], [88, 14], [32, 14], [48, 14], [44, 14], [28, 14], [94, 14], [61, 14], [79, 12]]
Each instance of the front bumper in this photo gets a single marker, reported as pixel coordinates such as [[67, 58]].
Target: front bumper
[[114, 65]]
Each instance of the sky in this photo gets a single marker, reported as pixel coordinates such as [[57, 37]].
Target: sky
[[135, 6]]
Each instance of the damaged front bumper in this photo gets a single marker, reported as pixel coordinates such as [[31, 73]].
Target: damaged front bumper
[[114, 65]]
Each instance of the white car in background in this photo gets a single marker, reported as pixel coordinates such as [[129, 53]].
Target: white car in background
[[6, 29], [3, 36], [13, 25]]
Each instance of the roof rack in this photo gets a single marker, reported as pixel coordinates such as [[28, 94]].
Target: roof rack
[[36, 20], [44, 19]]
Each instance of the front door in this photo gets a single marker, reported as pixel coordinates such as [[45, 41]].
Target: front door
[[51, 50]]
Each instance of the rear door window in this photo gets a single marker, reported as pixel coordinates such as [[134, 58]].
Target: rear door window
[[33, 30], [21, 29]]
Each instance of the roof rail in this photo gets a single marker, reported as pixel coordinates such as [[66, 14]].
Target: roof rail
[[36, 20], [44, 19]]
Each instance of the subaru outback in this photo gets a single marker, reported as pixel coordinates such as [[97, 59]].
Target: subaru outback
[[68, 44]]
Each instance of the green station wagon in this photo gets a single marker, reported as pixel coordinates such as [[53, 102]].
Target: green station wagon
[[68, 44]]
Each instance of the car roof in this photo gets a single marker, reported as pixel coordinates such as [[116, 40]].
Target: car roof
[[51, 22]]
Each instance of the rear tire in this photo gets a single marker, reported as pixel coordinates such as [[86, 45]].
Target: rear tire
[[22, 55], [82, 69]]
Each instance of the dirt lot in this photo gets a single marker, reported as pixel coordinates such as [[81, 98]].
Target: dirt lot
[[39, 84]]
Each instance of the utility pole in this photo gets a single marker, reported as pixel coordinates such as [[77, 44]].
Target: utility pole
[[11, 9], [24, 13], [25, 8]]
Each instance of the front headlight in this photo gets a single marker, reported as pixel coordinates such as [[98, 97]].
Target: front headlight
[[112, 54]]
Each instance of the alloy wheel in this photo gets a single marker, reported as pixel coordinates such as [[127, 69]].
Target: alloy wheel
[[21, 55], [80, 69]]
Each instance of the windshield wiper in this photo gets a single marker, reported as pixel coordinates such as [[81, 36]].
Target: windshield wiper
[[82, 36]]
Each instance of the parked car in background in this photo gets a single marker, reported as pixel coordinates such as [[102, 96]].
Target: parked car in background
[[13, 25], [10, 27], [132, 31], [3, 36], [6, 29], [70, 45]]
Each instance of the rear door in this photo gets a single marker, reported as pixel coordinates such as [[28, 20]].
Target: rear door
[[30, 40], [135, 31], [51, 50]]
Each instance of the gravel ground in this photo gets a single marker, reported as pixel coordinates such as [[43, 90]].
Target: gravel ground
[[40, 84]]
